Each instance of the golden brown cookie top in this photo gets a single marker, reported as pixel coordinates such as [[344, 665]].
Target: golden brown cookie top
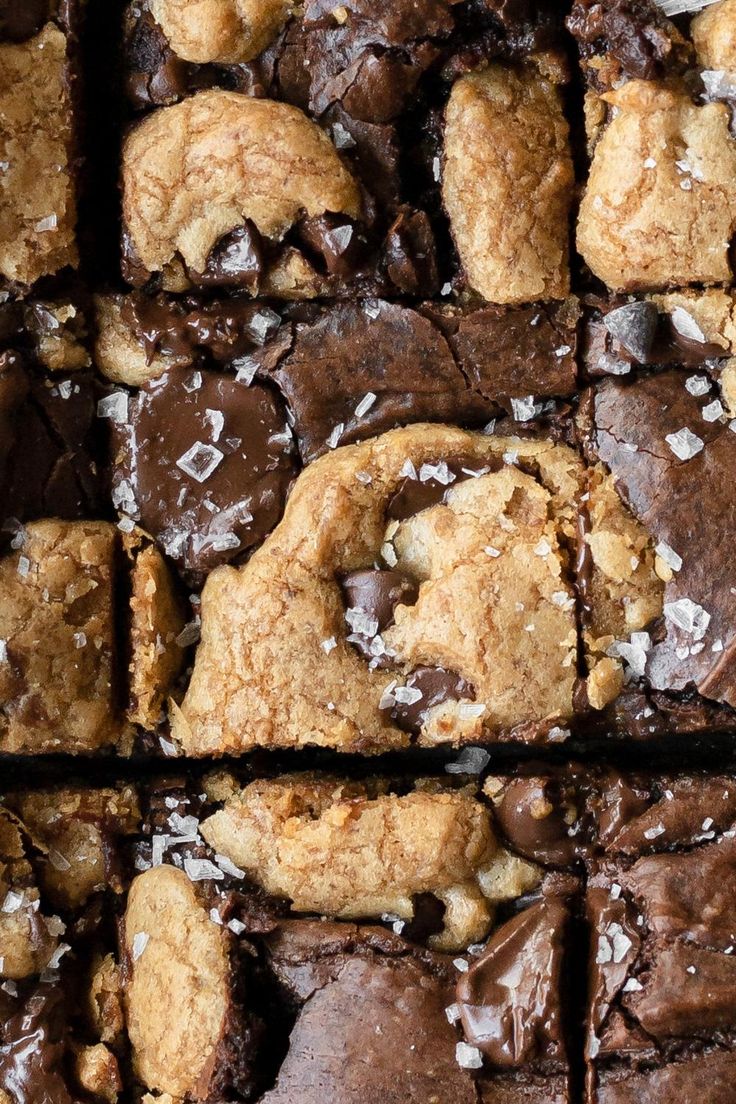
[[195, 171], [507, 183], [337, 849], [659, 208], [215, 31], [177, 990]]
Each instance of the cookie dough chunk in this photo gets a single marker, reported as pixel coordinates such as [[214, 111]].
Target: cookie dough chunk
[[489, 641], [661, 974], [713, 31], [157, 619], [57, 628], [177, 988], [659, 208], [332, 848], [667, 444], [212, 31], [221, 162], [623, 594], [37, 193], [76, 833], [507, 184], [27, 941], [203, 462]]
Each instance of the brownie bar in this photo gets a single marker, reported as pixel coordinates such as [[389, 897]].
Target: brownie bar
[[78, 604], [658, 209], [661, 979], [368, 131], [38, 139], [49, 451], [62, 1031]]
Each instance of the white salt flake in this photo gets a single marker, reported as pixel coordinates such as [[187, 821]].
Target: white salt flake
[[334, 439], [684, 443], [227, 866], [543, 548], [140, 942], [236, 926], [201, 870], [114, 406], [245, 369], [407, 695], [200, 461], [679, 7], [468, 1057], [633, 986], [365, 404], [688, 616], [697, 385], [453, 1013], [670, 557], [328, 645], [653, 833], [440, 473], [713, 411], [524, 409], [686, 325], [491, 551], [217, 420]]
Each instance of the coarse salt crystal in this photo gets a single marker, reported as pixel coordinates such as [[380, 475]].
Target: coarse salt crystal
[[688, 616], [140, 942], [365, 404], [713, 411], [200, 461], [697, 385], [114, 406], [684, 443], [468, 1057], [669, 556]]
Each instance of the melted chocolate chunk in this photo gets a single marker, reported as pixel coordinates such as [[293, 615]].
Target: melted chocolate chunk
[[236, 260], [225, 330], [335, 240], [635, 33], [436, 686], [378, 592], [33, 1049], [532, 816], [432, 483], [21, 19], [509, 999], [204, 462]]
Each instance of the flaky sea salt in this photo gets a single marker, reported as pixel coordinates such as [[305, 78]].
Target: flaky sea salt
[[365, 404], [679, 7], [140, 942], [697, 385], [688, 616], [524, 409], [114, 406], [670, 557], [686, 325], [201, 870], [468, 1057], [200, 461], [713, 411], [684, 443], [471, 760]]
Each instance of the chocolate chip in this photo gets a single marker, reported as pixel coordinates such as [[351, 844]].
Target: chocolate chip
[[204, 462], [429, 489], [509, 998], [236, 260], [634, 326], [436, 686], [378, 592], [336, 240], [531, 816]]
